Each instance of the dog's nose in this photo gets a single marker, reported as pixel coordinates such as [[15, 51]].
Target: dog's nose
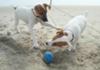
[[44, 17]]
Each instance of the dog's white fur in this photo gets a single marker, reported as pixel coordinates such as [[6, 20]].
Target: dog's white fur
[[74, 28], [26, 14]]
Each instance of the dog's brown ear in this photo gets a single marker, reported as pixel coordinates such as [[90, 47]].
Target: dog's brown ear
[[39, 9], [60, 32], [46, 6]]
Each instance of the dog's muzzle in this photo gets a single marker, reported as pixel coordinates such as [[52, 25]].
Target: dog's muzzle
[[43, 17]]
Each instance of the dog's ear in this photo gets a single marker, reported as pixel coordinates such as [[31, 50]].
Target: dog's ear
[[39, 9], [60, 32], [46, 6]]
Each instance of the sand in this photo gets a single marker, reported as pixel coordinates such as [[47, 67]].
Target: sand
[[15, 53]]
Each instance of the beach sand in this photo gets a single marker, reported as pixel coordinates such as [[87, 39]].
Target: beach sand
[[15, 51]]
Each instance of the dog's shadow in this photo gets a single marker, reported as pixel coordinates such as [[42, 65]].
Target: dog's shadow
[[62, 57], [13, 44], [62, 60]]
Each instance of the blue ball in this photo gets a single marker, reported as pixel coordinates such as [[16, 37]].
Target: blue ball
[[48, 57]]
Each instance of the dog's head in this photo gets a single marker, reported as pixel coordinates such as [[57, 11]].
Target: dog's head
[[41, 10], [58, 39]]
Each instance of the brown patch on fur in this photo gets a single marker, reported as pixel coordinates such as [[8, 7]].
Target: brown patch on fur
[[60, 44], [41, 9], [59, 34], [46, 5]]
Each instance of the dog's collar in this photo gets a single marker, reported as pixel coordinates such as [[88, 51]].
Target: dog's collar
[[72, 37]]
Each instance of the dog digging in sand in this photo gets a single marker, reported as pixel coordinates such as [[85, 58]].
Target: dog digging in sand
[[32, 16], [68, 37]]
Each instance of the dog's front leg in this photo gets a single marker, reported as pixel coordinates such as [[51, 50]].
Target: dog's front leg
[[70, 46], [75, 43], [34, 40], [34, 37]]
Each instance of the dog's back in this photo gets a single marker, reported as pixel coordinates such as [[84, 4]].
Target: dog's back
[[81, 21], [76, 25], [23, 13], [78, 22]]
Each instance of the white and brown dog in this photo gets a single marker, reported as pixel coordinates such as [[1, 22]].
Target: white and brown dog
[[68, 37], [32, 16]]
